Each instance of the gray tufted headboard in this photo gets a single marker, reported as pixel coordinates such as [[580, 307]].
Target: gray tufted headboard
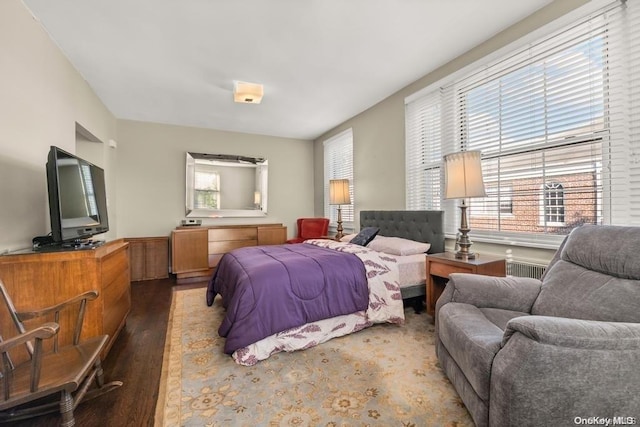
[[421, 226]]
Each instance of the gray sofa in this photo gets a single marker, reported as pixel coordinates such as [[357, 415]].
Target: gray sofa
[[524, 352]]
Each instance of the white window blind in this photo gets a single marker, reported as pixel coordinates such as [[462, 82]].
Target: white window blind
[[560, 112], [338, 164], [622, 203], [424, 154]]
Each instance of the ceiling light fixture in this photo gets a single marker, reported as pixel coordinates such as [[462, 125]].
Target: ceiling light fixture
[[247, 93]]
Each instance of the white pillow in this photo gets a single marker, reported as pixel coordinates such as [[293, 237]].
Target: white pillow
[[398, 246], [347, 237]]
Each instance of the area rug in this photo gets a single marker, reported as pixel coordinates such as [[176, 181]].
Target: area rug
[[385, 375]]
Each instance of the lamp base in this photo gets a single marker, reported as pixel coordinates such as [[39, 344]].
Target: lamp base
[[339, 229], [465, 255], [464, 242]]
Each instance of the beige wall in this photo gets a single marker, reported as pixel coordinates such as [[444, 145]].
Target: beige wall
[[151, 175], [379, 134], [42, 97], [44, 101]]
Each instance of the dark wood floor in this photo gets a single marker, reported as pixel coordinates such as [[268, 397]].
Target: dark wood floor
[[135, 359]]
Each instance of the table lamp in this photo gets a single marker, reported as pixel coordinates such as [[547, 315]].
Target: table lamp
[[463, 179], [339, 195]]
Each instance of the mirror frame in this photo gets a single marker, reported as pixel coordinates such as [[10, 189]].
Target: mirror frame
[[260, 164]]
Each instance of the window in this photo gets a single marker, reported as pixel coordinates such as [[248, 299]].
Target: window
[[498, 202], [553, 204], [207, 190], [505, 203], [551, 123], [338, 164]]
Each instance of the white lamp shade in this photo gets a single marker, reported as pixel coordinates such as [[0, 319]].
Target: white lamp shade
[[339, 192], [463, 175]]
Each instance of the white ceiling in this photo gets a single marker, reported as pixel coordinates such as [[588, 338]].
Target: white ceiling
[[321, 61]]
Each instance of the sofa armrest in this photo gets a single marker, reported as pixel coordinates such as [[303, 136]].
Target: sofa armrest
[[576, 333], [508, 293], [569, 367]]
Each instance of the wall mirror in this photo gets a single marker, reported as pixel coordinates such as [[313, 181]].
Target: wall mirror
[[222, 185]]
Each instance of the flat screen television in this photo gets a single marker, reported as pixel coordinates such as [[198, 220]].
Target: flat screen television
[[77, 199]]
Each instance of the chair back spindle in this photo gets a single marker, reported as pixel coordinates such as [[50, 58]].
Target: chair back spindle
[[14, 315]]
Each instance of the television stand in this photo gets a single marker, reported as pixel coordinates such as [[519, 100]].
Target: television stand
[[46, 278]]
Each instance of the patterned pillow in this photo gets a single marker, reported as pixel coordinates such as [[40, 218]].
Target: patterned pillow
[[365, 236]]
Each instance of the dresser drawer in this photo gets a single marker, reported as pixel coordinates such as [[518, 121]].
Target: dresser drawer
[[443, 270], [224, 247], [112, 266], [221, 234]]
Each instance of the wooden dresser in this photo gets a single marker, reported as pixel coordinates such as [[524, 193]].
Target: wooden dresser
[[196, 250], [40, 279]]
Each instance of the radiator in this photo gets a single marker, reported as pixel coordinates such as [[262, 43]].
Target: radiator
[[523, 269]]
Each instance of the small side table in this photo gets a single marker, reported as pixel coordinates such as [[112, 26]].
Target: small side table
[[439, 266]]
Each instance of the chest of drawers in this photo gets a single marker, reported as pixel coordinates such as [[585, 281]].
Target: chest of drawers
[[196, 251]]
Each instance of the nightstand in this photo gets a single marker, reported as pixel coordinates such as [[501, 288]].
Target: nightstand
[[439, 266]]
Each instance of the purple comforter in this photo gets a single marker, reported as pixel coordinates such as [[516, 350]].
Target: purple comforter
[[269, 289]]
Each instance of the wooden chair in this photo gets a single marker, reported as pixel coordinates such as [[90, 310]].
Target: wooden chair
[[49, 380]]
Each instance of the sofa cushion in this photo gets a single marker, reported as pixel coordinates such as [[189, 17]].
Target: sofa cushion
[[472, 340], [608, 249], [500, 317], [570, 290]]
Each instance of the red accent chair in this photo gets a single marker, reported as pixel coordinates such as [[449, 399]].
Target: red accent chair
[[310, 228]]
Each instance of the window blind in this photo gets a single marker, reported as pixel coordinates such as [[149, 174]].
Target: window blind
[[424, 156], [557, 123], [338, 164], [622, 202]]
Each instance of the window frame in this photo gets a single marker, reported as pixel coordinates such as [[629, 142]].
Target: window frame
[[603, 205], [545, 207]]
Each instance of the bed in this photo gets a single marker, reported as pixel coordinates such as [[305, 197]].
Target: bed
[[291, 297], [419, 226]]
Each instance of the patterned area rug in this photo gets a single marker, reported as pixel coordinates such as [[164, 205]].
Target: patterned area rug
[[385, 375]]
